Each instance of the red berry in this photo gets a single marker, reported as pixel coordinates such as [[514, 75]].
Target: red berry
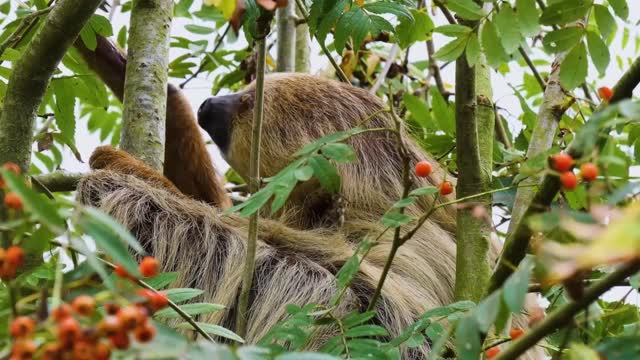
[[158, 301], [23, 349], [120, 340], [22, 326], [605, 93], [562, 162], [589, 171], [7, 271], [12, 201], [52, 351], [68, 330], [111, 308], [12, 167], [516, 333], [149, 267], [83, 350], [61, 312], [102, 351], [122, 272], [84, 305], [129, 317], [15, 256], [145, 332], [492, 352], [423, 168], [109, 326], [569, 180], [446, 188]]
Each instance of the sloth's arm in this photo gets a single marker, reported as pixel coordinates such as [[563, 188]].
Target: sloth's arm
[[187, 163]]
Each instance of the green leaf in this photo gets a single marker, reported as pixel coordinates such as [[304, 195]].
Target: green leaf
[[88, 37], [487, 311], [366, 330], [453, 30], [178, 295], [573, 70], [517, 285], [473, 51], [212, 329], [191, 309], [162, 280], [418, 109], [507, 25], [562, 39], [394, 219], [326, 173], [466, 9], [494, 51], [402, 203], [451, 50], [599, 52], [113, 226], [93, 261], [565, 11], [527, 15], [199, 29], [604, 19], [350, 23], [467, 339], [306, 356], [282, 189], [37, 204], [356, 318], [63, 110], [101, 25], [253, 204], [389, 7], [427, 190], [409, 32], [303, 173], [442, 113], [339, 152], [620, 7]]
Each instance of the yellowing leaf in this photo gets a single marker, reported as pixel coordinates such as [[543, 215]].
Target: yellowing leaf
[[225, 6]]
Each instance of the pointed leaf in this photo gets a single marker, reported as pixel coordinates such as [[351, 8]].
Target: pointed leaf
[[466, 9], [562, 12], [599, 52], [527, 15], [620, 7], [573, 70], [494, 51], [216, 330], [507, 26], [604, 19]]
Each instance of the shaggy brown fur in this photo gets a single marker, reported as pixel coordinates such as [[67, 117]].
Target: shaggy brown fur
[[186, 163], [298, 254]]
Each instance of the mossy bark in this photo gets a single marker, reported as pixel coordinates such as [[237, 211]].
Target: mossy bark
[[286, 38], [145, 90], [303, 49], [32, 73], [475, 122]]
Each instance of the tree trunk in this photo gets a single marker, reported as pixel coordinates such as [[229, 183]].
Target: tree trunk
[[286, 38], [145, 92], [32, 73], [303, 39]]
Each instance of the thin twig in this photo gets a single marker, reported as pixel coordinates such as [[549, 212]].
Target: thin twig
[[207, 60], [532, 67], [393, 52], [25, 25], [264, 22]]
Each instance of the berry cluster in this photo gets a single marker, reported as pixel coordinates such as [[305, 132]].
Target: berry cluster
[[563, 163], [423, 169], [495, 350], [11, 199], [79, 334]]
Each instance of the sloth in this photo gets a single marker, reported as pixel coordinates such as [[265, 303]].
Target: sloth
[[179, 216]]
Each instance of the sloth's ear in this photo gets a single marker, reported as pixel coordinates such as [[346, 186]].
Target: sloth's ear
[[247, 100]]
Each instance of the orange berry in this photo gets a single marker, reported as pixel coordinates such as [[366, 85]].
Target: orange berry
[[159, 301], [145, 332], [120, 340], [589, 171], [569, 180], [84, 305], [23, 349], [423, 168], [51, 351], [446, 188], [22, 326], [149, 266], [83, 350], [7, 271], [109, 326], [102, 351], [129, 317], [147, 294], [605, 93], [562, 162], [516, 333], [12, 201], [61, 312], [68, 330], [15, 256], [122, 272], [492, 352], [12, 167], [111, 308]]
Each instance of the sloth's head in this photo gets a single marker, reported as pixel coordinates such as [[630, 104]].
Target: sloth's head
[[300, 108]]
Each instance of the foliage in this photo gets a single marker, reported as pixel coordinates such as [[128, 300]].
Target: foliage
[[579, 238]]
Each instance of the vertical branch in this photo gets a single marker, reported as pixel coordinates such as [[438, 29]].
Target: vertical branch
[[303, 49], [254, 171], [145, 91], [285, 20], [475, 123], [32, 73], [544, 132]]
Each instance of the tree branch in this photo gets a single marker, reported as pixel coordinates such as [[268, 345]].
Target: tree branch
[[32, 73], [145, 92], [303, 60], [286, 38], [264, 22], [517, 242], [57, 181], [564, 314]]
